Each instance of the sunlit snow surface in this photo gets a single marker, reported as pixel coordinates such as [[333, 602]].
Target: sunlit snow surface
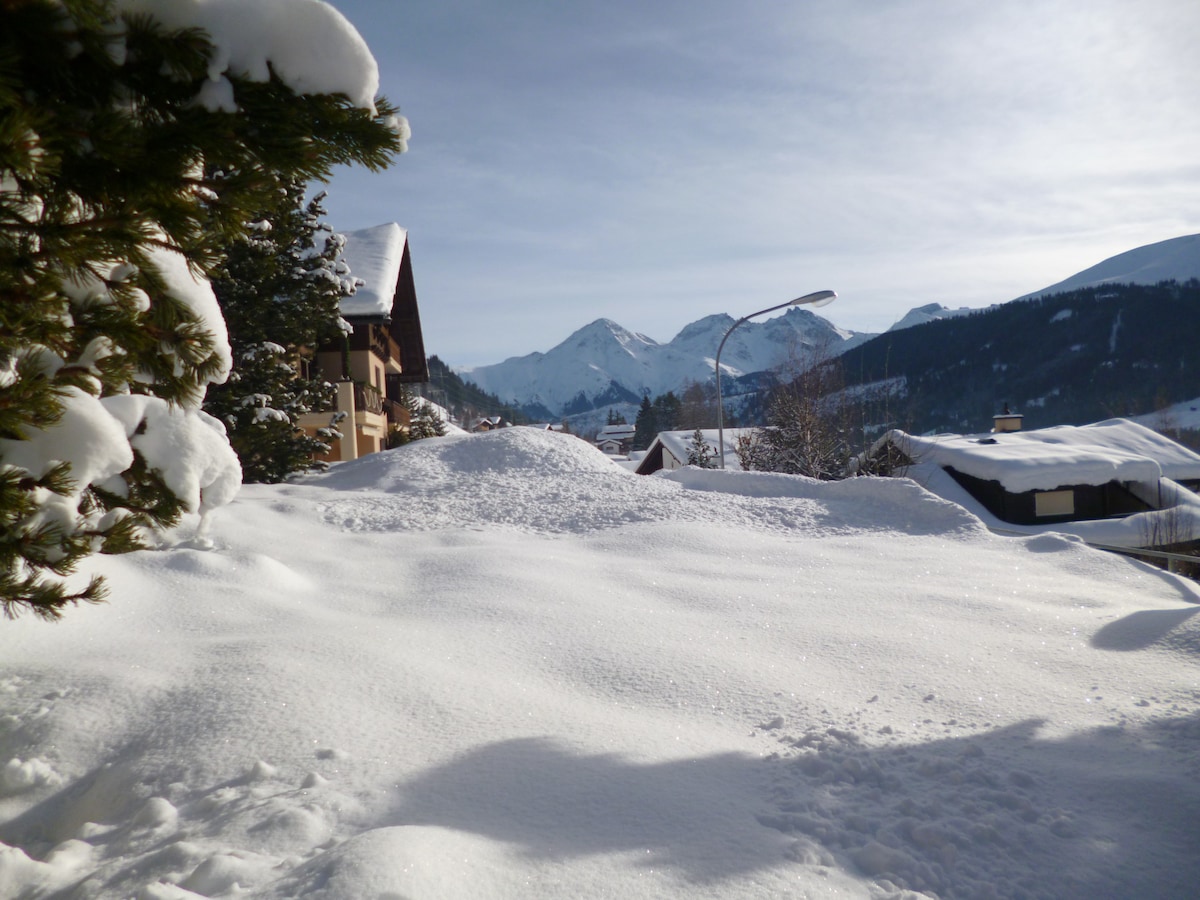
[[500, 666]]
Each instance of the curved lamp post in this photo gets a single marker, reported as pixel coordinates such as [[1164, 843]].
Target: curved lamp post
[[820, 298]]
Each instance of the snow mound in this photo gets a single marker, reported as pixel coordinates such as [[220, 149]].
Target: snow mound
[[426, 862], [459, 456], [500, 666], [544, 482]]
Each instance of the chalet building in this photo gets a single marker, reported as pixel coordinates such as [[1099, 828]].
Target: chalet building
[[384, 351], [615, 440], [489, 423], [1084, 479], [669, 449]]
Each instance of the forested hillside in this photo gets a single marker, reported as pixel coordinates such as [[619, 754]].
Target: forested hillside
[[465, 401], [1068, 358]]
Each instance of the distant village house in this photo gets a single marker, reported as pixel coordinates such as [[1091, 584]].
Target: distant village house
[[615, 440], [669, 449]]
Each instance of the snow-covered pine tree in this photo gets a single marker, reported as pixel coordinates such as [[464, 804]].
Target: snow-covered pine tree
[[423, 420], [109, 334], [699, 453], [279, 289]]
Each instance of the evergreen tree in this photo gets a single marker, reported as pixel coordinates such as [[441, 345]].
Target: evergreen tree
[[615, 418], [699, 453], [667, 409], [464, 400], [698, 405], [119, 186], [645, 426], [423, 420], [279, 289]]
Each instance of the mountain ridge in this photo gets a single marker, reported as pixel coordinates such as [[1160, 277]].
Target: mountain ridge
[[1175, 259], [603, 360], [603, 364]]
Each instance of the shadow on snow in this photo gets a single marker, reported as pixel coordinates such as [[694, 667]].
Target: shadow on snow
[[1106, 813]]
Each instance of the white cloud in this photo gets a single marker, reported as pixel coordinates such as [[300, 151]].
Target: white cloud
[[668, 162]]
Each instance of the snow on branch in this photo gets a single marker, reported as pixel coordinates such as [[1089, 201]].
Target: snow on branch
[[307, 43]]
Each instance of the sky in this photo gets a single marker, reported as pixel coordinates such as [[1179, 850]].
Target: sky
[[656, 163], [500, 666]]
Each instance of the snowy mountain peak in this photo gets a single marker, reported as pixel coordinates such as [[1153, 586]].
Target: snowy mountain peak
[[931, 312], [603, 363], [1176, 259], [718, 324], [606, 330]]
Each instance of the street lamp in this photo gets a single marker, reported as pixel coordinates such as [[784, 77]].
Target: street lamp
[[819, 298]]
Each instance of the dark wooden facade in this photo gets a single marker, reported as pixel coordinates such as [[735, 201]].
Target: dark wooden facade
[[1090, 501], [398, 337]]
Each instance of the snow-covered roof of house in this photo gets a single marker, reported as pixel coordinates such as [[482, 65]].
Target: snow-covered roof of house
[[1048, 458], [1177, 461], [615, 432], [1059, 457], [374, 255], [1021, 465], [678, 443]]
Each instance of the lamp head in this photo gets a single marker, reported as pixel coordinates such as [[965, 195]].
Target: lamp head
[[819, 298]]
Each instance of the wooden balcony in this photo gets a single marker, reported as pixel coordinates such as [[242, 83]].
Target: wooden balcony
[[367, 398]]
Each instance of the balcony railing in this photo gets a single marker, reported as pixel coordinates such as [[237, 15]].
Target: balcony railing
[[397, 413], [367, 398]]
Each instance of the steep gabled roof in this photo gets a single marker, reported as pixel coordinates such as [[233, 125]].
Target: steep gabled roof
[[375, 255], [380, 257], [678, 443]]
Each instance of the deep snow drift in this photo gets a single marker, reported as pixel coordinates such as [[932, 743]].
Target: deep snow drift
[[500, 666]]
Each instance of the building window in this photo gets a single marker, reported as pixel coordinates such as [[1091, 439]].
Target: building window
[[1054, 503]]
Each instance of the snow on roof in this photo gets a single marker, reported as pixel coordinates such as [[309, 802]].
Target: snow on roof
[[1180, 515], [1048, 458], [1177, 461], [1030, 460], [616, 432], [1062, 456], [680, 442], [374, 255]]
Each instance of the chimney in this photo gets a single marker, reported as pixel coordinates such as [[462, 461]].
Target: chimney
[[1006, 421]]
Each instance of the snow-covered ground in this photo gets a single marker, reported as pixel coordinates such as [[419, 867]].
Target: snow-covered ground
[[500, 666], [1185, 415]]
